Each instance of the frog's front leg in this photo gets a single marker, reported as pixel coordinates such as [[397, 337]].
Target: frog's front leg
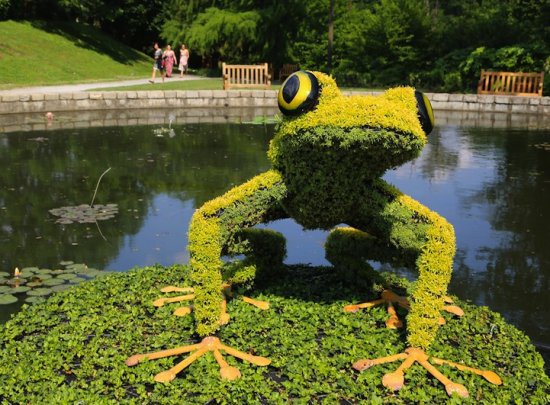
[[220, 227], [427, 243]]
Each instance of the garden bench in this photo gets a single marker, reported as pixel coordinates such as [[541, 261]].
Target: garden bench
[[246, 76], [511, 83], [286, 70]]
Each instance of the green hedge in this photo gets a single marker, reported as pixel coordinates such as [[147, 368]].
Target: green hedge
[[72, 347]]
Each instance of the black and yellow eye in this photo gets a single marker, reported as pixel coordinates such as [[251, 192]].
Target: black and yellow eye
[[425, 112], [299, 93]]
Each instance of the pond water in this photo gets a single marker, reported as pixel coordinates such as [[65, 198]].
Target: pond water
[[492, 184]]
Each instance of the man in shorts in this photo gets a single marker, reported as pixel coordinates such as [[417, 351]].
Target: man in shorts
[[157, 64]]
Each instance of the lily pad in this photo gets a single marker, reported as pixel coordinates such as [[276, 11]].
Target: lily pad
[[33, 300], [66, 262], [34, 283], [68, 276], [54, 282], [84, 213], [5, 289], [30, 269], [40, 292], [6, 299], [44, 271], [77, 267], [42, 277], [16, 281], [77, 280], [20, 289], [60, 287], [58, 271], [4, 274]]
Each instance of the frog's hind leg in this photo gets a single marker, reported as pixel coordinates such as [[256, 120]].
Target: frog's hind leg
[[348, 249], [264, 251]]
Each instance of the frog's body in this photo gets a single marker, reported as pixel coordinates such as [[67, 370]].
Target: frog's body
[[327, 164]]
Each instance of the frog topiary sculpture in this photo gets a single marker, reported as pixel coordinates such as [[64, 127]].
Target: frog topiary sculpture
[[328, 156]]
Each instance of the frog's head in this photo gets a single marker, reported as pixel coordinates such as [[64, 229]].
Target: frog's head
[[354, 136]]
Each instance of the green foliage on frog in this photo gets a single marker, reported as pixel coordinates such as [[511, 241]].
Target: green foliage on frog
[[328, 155]]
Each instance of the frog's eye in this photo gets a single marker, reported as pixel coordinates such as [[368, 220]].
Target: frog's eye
[[425, 112], [299, 93]]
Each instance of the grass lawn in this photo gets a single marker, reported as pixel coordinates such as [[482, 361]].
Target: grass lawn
[[42, 53], [39, 53]]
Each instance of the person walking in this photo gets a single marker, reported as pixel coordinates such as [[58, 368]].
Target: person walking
[[157, 64], [184, 59], [169, 59]]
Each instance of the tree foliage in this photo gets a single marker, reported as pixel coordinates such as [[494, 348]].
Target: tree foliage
[[440, 45]]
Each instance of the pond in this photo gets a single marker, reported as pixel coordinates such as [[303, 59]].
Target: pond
[[492, 184]]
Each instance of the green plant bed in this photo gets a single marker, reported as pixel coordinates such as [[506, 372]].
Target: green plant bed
[[72, 347]]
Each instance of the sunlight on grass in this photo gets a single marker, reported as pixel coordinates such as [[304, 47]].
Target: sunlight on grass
[[40, 53]]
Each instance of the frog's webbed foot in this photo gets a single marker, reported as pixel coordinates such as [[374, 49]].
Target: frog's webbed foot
[[208, 344], [389, 298], [226, 289], [395, 380]]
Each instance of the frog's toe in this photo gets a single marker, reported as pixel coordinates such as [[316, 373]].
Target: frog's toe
[[208, 344], [395, 380]]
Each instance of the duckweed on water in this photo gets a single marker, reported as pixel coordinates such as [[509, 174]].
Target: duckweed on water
[[72, 346]]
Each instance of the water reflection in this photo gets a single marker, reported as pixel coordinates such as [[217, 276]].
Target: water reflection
[[492, 184], [156, 182]]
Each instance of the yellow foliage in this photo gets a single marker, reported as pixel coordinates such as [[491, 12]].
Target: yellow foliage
[[393, 110]]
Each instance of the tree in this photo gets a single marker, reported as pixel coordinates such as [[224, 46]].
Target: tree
[[245, 31], [227, 35]]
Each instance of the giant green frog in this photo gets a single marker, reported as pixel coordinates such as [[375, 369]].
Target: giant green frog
[[328, 156]]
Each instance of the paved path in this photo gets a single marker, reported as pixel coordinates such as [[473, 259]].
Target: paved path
[[70, 88]]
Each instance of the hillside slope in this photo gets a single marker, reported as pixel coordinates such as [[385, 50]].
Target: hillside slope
[[40, 53]]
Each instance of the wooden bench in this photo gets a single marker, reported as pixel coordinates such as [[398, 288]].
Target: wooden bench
[[286, 70], [246, 76], [511, 83]]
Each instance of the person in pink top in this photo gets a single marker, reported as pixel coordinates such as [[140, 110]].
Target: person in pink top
[[184, 58], [169, 60]]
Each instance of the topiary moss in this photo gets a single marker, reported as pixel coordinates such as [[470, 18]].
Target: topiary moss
[[71, 348], [327, 162]]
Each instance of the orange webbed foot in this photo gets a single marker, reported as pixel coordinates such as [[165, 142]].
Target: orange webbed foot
[[395, 380], [208, 344], [390, 299], [183, 311]]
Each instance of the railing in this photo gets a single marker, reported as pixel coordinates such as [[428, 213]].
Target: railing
[[246, 76], [511, 83]]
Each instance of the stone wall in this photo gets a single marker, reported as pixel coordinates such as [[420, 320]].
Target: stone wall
[[32, 103], [85, 101]]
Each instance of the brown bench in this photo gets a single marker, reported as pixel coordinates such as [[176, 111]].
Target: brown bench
[[511, 83], [246, 76], [286, 70]]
